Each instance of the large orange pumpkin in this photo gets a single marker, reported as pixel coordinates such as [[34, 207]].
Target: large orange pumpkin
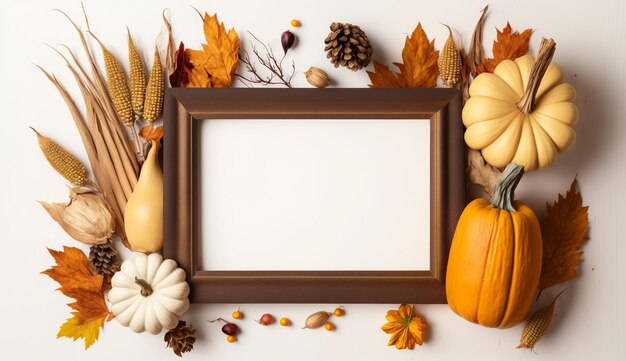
[[495, 258]]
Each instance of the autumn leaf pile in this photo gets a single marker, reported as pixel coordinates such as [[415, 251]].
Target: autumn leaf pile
[[75, 274], [418, 69]]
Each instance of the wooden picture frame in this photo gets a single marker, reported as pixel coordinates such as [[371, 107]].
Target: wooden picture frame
[[183, 109]]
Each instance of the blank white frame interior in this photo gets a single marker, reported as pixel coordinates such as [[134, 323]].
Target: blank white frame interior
[[304, 194]]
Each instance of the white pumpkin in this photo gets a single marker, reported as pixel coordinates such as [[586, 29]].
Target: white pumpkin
[[149, 293]]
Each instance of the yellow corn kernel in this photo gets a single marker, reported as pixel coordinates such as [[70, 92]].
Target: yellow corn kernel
[[118, 89], [153, 105], [62, 161], [450, 62], [137, 79]]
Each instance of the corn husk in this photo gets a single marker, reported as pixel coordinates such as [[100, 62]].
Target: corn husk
[[86, 217]]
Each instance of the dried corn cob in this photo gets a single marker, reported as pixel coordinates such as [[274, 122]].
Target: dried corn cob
[[154, 94], [137, 78], [62, 161], [538, 325], [118, 89], [450, 61]]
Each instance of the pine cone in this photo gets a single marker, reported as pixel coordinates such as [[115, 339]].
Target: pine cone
[[181, 338], [347, 45], [104, 259]]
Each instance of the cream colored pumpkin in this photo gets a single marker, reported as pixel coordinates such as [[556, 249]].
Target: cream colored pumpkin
[[503, 132], [149, 293]]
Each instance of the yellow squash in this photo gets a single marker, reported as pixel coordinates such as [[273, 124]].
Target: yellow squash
[[495, 258], [522, 113], [143, 215]]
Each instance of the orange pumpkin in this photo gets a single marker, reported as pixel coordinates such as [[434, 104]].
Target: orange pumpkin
[[495, 258]]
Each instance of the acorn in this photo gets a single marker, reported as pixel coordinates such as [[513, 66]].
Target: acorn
[[317, 77], [287, 39]]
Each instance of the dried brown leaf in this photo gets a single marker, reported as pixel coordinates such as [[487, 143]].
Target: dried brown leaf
[[150, 132], [475, 54], [419, 67], [480, 172], [564, 231], [509, 45]]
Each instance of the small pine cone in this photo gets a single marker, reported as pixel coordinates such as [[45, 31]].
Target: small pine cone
[[181, 338], [104, 259], [347, 45]]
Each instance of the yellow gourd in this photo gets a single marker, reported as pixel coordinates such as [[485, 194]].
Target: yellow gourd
[[143, 215], [522, 113]]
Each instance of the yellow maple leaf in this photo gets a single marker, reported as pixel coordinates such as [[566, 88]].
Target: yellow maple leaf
[[419, 68], [214, 65], [406, 328], [74, 273], [73, 328], [564, 231]]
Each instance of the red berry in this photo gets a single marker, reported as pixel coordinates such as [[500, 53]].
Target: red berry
[[230, 329], [266, 319]]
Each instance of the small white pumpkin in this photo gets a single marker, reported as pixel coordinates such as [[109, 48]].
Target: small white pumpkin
[[149, 293]]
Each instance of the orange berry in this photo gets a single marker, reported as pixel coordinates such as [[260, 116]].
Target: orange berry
[[237, 315], [231, 339], [339, 311], [329, 326], [295, 23], [285, 321]]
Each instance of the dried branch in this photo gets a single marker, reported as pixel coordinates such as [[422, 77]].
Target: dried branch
[[266, 58]]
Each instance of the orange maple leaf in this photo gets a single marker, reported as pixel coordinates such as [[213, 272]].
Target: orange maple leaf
[[214, 65], [74, 273], [419, 68], [150, 132], [564, 231], [508, 45]]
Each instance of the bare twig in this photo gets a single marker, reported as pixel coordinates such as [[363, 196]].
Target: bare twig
[[267, 59]]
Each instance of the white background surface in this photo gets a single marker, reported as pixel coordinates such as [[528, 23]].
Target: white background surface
[[310, 192], [590, 37]]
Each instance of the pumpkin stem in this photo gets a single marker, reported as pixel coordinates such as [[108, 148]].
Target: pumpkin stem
[[527, 103], [146, 290], [503, 194]]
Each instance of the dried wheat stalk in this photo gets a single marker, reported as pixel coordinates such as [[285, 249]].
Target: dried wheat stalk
[[108, 146]]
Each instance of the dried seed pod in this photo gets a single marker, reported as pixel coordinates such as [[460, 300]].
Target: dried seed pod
[[317, 320], [118, 89], [62, 161], [317, 77], [86, 217], [153, 105], [450, 62], [137, 78], [538, 325], [287, 39]]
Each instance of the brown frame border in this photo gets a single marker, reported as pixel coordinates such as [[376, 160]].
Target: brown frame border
[[184, 106]]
